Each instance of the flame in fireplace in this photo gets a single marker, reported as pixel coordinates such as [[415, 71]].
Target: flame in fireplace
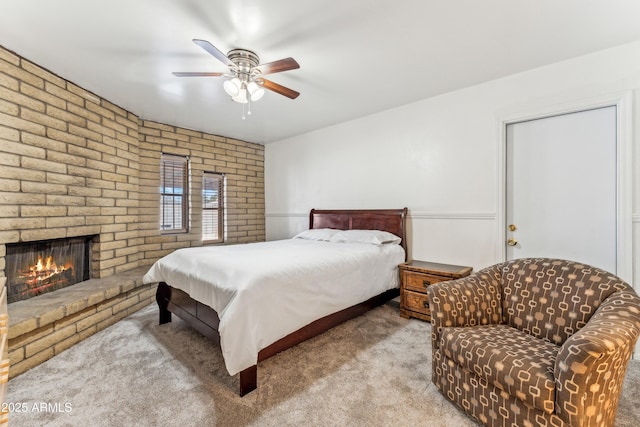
[[43, 270], [51, 265]]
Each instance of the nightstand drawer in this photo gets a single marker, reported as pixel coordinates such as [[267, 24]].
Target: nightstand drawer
[[417, 302], [419, 281]]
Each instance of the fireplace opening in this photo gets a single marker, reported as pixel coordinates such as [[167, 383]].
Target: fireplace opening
[[35, 268]]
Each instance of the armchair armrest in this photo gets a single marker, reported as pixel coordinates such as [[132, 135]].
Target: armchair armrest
[[591, 364], [469, 301]]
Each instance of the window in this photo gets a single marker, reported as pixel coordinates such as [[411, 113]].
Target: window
[[174, 174], [212, 207]]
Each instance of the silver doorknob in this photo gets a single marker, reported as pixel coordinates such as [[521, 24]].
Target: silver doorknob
[[512, 242]]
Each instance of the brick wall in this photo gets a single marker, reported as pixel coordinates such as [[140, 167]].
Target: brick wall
[[243, 166], [74, 164]]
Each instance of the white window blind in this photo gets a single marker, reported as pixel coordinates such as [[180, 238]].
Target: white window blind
[[212, 207], [174, 177]]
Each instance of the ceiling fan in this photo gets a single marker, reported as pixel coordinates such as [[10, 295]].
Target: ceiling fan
[[246, 82]]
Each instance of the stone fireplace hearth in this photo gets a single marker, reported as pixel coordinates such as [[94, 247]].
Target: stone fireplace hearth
[[45, 325]]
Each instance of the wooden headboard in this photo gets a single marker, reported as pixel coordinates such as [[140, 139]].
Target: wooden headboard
[[391, 220]]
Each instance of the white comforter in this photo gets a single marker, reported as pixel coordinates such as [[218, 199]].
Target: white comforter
[[264, 291]]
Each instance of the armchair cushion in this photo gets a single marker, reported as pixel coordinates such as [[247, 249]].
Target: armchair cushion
[[511, 360]]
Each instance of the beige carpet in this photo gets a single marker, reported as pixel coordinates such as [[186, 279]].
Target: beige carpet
[[370, 371]]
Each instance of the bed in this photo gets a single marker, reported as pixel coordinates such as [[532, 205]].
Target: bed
[[271, 296]]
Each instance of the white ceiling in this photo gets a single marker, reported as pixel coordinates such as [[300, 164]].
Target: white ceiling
[[356, 57]]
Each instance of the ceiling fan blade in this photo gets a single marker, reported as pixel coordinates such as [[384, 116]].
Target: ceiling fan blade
[[278, 66], [214, 51], [196, 74], [275, 87]]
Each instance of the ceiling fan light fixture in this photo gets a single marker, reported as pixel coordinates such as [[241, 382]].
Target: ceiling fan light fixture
[[246, 84], [255, 91], [241, 97], [232, 87]]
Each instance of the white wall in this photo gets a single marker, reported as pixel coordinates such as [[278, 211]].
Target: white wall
[[439, 157]]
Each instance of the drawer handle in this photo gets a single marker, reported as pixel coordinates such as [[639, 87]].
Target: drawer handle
[[426, 283], [426, 304]]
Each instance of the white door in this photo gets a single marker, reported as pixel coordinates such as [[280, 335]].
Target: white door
[[561, 188]]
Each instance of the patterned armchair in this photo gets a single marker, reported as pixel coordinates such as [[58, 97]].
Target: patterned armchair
[[534, 342]]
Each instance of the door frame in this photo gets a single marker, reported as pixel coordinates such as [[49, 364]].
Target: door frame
[[623, 101]]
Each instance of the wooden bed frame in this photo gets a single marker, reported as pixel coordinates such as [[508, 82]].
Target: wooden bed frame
[[205, 320]]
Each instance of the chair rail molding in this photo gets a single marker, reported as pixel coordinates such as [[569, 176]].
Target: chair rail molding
[[454, 215], [411, 214]]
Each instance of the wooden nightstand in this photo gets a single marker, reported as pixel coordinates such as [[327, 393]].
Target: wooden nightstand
[[415, 277]]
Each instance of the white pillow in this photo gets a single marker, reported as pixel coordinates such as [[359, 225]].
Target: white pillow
[[323, 234], [376, 237]]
